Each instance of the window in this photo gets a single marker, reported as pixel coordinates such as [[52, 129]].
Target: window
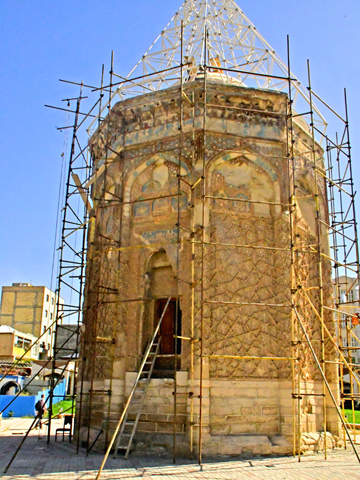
[[51, 315], [46, 313], [354, 342], [27, 344], [52, 301], [343, 320], [351, 296], [344, 342], [48, 346], [19, 342], [44, 329], [47, 298], [35, 350]]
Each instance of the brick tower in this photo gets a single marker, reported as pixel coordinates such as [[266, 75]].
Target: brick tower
[[207, 211]]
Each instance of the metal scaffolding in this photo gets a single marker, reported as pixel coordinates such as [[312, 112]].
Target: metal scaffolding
[[210, 40]]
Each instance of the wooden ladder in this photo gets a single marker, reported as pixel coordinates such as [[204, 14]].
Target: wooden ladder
[[126, 428]]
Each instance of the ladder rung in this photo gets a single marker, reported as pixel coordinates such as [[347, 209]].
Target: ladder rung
[[137, 399]]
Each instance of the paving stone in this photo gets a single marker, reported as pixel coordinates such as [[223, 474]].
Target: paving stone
[[38, 460]]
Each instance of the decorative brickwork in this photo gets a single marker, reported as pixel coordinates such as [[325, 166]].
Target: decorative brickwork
[[203, 216]]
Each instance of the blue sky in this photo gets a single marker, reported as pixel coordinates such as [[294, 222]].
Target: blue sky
[[43, 41]]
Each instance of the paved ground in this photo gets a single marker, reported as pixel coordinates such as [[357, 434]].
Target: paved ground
[[58, 461]]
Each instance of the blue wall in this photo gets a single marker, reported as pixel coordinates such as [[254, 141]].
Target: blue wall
[[25, 406], [22, 406]]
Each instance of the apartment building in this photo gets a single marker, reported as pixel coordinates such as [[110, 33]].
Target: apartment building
[[346, 293], [14, 344], [31, 310]]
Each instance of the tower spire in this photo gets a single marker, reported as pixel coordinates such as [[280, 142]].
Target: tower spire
[[236, 52]]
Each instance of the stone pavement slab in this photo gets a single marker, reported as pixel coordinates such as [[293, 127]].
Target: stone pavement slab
[[38, 460]]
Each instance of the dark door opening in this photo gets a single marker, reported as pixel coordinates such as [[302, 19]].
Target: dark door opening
[[171, 323]]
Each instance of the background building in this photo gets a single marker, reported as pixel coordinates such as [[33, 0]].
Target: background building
[[31, 310], [346, 293], [14, 344]]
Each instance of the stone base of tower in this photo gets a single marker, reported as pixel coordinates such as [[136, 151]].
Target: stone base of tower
[[239, 417]]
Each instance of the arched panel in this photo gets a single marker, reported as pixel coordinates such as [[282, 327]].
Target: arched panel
[[156, 177], [244, 179]]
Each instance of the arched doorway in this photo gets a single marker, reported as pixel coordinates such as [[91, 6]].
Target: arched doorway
[[162, 285]]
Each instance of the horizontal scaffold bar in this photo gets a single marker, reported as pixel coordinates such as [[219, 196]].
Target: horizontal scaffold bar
[[259, 304], [233, 199], [219, 244], [249, 357]]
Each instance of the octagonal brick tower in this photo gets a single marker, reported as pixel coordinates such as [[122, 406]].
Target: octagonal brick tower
[[199, 212]]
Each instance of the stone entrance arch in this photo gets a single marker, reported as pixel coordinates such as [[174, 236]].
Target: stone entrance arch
[[161, 285]]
